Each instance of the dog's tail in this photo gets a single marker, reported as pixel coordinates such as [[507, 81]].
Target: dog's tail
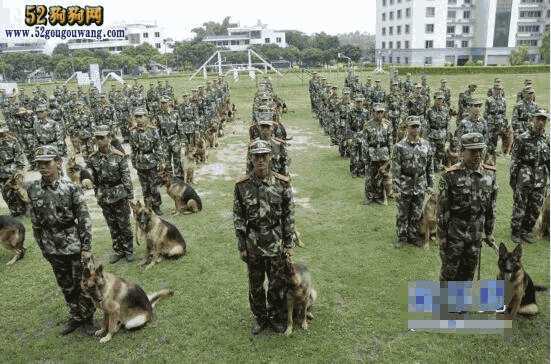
[[155, 297], [539, 288]]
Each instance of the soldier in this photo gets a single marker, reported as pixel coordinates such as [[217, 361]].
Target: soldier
[[280, 160], [463, 101], [113, 190], [147, 158], [438, 120], [376, 143], [473, 123], [63, 231], [529, 174], [378, 95], [358, 118], [417, 106], [523, 111], [171, 134], [520, 94], [187, 119], [344, 110], [395, 106], [407, 85], [263, 212], [83, 128], [494, 112], [466, 210], [25, 133], [445, 90], [425, 90], [412, 171], [12, 161], [47, 131]]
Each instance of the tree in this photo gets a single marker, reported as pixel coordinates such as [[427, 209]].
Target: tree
[[544, 49], [312, 57], [353, 52], [192, 53], [325, 41], [212, 28], [297, 39], [63, 68], [62, 49], [518, 56]]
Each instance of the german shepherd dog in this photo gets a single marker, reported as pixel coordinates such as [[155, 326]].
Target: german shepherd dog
[[201, 152], [212, 136], [520, 291], [186, 199], [300, 296], [506, 140], [12, 236], [385, 174], [427, 224], [78, 174], [15, 187], [188, 160], [163, 239], [123, 303], [542, 224]]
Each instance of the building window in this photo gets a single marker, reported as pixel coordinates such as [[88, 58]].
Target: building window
[[466, 29], [466, 14], [234, 42], [158, 45], [384, 16], [406, 60], [399, 30], [383, 45], [278, 40], [157, 34], [398, 1], [225, 42], [467, 1], [398, 60], [246, 41], [429, 28], [398, 44], [391, 2], [452, 2], [428, 60], [451, 14], [391, 15], [528, 42], [390, 30], [464, 44], [530, 14], [450, 44], [390, 44], [145, 35], [528, 28], [384, 2], [266, 40], [389, 59], [450, 29], [384, 31], [429, 44], [429, 12], [406, 44], [383, 59], [408, 13], [399, 14], [406, 29]]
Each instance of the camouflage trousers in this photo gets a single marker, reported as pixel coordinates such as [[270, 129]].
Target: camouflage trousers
[[527, 203], [173, 161], [117, 216], [493, 135], [357, 167], [438, 147], [410, 209], [373, 188], [149, 180], [16, 205], [267, 305], [459, 259], [68, 273]]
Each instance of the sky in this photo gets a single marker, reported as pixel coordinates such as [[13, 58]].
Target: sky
[[177, 18]]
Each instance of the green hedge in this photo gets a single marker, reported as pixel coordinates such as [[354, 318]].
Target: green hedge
[[455, 70]]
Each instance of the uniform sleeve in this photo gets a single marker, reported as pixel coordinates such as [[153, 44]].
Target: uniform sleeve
[[288, 218], [515, 123], [93, 172], [443, 211], [35, 221], [430, 168], [284, 160], [396, 167], [84, 222], [515, 162], [19, 155], [490, 213], [125, 176], [239, 221]]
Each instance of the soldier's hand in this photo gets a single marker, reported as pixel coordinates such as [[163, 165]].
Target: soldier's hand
[[243, 255], [288, 252], [85, 256], [491, 242]]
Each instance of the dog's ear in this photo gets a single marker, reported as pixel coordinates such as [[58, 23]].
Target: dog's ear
[[99, 270], [502, 249], [86, 273], [517, 252]]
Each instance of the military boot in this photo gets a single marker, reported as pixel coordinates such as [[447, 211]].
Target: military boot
[[70, 326], [258, 327]]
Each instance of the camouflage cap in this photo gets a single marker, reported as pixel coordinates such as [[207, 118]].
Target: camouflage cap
[[359, 98], [102, 130], [46, 153], [21, 111], [165, 99], [140, 111], [529, 90], [413, 120], [527, 82], [541, 113], [473, 85], [472, 141], [41, 107], [265, 122], [475, 102], [379, 107], [4, 128], [439, 95], [443, 80], [260, 146]]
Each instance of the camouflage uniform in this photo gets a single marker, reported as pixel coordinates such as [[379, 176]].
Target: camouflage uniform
[[49, 132], [376, 143], [412, 167], [470, 125], [358, 118], [529, 174], [438, 120], [113, 190], [171, 134], [466, 211], [25, 133], [522, 114], [147, 158], [494, 112], [62, 229], [280, 159], [264, 226], [12, 160], [463, 101], [445, 90]]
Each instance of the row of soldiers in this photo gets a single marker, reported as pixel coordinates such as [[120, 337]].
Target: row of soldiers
[[467, 190]]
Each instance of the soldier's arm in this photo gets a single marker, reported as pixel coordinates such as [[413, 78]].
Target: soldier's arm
[[84, 222], [443, 211], [19, 156], [35, 221], [515, 163], [285, 160], [396, 168], [430, 168], [490, 215], [126, 181], [288, 218], [239, 221], [514, 120], [93, 173]]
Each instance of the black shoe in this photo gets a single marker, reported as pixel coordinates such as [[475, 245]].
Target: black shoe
[[129, 257], [70, 326], [279, 327], [115, 258], [88, 327], [529, 238], [157, 211], [258, 327]]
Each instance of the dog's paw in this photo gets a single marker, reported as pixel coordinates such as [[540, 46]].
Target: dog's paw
[[105, 339], [289, 331], [99, 332], [304, 325]]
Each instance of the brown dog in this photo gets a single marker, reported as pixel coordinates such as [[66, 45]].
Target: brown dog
[[78, 174], [385, 174], [201, 152], [186, 200], [123, 303], [427, 224], [212, 137], [506, 140], [12, 237], [188, 160], [300, 296], [163, 239], [542, 224]]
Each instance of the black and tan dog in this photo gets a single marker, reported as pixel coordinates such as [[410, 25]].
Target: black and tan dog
[[427, 224], [186, 199], [520, 291], [163, 239], [300, 296], [123, 303], [78, 174], [12, 236]]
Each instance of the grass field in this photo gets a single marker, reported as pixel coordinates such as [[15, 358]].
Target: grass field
[[361, 314]]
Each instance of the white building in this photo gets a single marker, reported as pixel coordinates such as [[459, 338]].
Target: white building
[[425, 32], [130, 35], [240, 38], [29, 45]]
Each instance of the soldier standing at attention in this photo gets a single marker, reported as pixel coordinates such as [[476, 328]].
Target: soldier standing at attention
[[529, 175], [12, 161], [412, 171], [523, 111], [438, 121], [263, 215], [63, 231], [466, 210], [171, 133], [48, 131], [113, 190]]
